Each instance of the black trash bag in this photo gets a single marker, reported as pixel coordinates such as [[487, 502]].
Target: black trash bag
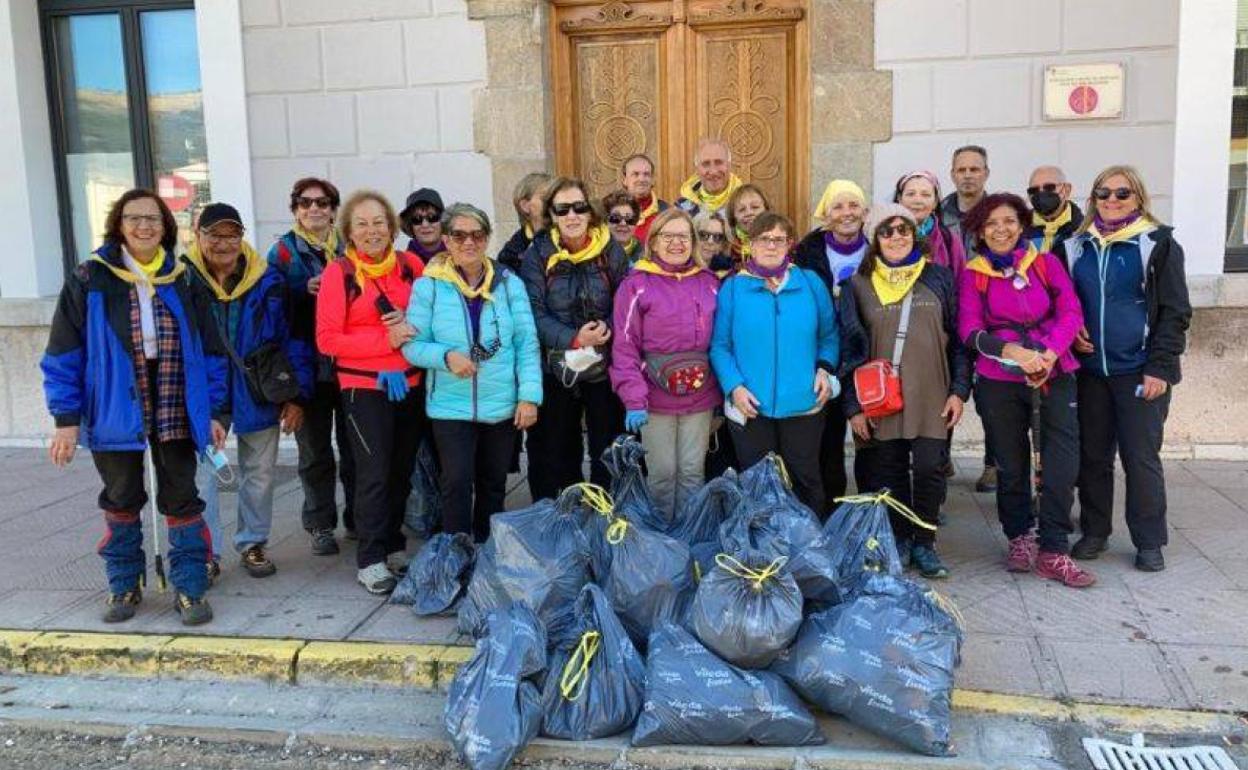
[[694, 698], [776, 527], [767, 481], [884, 659], [596, 679], [494, 705], [538, 555], [699, 521], [423, 512], [437, 575], [648, 576], [747, 609], [863, 537], [628, 485]]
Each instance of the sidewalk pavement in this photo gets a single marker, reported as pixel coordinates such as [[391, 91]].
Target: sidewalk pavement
[[1176, 639]]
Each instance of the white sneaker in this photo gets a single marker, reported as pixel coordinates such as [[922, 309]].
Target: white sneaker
[[376, 579], [397, 562]]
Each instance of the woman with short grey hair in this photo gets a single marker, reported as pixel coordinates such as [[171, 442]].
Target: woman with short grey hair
[[476, 337]]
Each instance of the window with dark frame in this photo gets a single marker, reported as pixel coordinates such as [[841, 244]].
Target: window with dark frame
[[126, 106], [1237, 196]]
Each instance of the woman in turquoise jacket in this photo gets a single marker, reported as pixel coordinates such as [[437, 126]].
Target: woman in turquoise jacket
[[476, 337], [775, 350]]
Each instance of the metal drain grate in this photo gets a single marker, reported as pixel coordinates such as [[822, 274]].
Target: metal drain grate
[[1107, 755]]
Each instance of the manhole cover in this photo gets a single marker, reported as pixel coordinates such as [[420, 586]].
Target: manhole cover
[[1107, 755]]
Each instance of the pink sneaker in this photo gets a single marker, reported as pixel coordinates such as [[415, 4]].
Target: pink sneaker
[[1059, 566], [1022, 553]]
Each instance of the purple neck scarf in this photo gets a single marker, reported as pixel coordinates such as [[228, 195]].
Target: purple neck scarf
[[424, 253], [753, 268], [844, 249], [1109, 227]]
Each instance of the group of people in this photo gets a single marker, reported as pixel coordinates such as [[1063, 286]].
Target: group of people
[[710, 326]]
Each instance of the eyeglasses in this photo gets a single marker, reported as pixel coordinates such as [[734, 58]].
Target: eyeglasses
[[425, 219], [461, 237], [1121, 193], [771, 241], [711, 237], [223, 237], [621, 219], [323, 202], [888, 231], [134, 220], [563, 209], [669, 238], [1047, 187]]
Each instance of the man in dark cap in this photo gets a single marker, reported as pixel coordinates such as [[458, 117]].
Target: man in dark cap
[[421, 221]]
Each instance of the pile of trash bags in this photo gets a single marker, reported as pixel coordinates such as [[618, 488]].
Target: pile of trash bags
[[722, 625]]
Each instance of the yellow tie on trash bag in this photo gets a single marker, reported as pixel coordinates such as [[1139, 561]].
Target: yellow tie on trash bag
[[595, 497], [892, 502], [576, 670], [950, 609], [756, 576]]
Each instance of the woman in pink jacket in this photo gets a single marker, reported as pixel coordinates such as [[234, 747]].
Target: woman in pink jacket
[[664, 315]]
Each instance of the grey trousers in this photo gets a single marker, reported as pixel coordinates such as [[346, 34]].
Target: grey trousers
[[676, 448], [256, 470]]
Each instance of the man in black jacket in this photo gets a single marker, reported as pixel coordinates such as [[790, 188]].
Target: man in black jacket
[[1056, 217]]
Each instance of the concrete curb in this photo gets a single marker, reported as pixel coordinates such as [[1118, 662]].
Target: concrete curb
[[431, 667]]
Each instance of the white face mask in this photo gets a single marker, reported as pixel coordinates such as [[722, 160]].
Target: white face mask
[[580, 359]]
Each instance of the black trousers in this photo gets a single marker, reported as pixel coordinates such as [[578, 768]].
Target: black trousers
[[123, 474], [1007, 417], [796, 440], [556, 449], [989, 453], [323, 417], [1110, 414], [914, 470], [473, 480], [721, 454], [384, 437], [832, 456]]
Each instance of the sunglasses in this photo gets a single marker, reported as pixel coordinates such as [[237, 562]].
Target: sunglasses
[[621, 219], [425, 219], [478, 352], [888, 231], [1121, 193], [711, 237], [1046, 187], [463, 236], [563, 209], [320, 203]]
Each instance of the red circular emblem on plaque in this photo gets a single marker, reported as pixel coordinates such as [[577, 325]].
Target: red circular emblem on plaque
[[1083, 99]]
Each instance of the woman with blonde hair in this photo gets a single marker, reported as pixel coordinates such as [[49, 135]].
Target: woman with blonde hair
[[1128, 272]]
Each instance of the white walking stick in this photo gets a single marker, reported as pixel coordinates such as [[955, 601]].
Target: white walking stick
[[161, 583]]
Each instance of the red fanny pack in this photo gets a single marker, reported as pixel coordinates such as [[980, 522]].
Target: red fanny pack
[[679, 374], [878, 381]]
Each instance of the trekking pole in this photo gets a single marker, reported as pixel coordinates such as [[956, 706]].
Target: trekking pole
[[161, 583], [1037, 464]]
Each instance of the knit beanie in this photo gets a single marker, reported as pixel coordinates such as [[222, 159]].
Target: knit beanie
[[884, 212]]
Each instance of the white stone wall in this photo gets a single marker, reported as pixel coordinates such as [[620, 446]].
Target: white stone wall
[[971, 72], [367, 93]]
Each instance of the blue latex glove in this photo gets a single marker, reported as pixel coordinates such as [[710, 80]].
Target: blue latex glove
[[394, 384], [634, 419]]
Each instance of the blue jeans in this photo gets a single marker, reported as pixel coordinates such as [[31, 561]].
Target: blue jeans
[[257, 463]]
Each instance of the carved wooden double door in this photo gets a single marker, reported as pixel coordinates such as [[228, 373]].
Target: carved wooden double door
[[655, 76]]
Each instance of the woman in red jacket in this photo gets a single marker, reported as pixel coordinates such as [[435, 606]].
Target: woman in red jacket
[[360, 323]]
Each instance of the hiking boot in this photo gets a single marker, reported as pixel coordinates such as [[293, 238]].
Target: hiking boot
[[194, 612], [213, 568], [987, 480], [256, 563], [1089, 547], [1022, 554], [1062, 568], [1149, 560], [323, 542], [376, 578], [119, 607], [923, 558], [904, 548], [397, 562]]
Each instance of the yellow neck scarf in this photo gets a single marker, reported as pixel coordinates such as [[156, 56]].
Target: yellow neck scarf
[[650, 210], [149, 278], [528, 231], [980, 264], [892, 284], [251, 275], [692, 189], [1051, 228], [1141, 225], [328, 244], [443, 269], [649, 266], [364, 268], [599, 238], [743, 242]]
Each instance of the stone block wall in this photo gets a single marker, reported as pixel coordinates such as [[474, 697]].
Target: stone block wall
[[972, 72], [369, 93]]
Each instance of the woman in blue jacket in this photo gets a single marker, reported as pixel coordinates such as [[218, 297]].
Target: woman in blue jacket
[[132, 362], [775, 351], [476, 337], [1128, 272]]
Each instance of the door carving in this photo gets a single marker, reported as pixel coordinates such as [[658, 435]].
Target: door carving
[[655, 76]]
